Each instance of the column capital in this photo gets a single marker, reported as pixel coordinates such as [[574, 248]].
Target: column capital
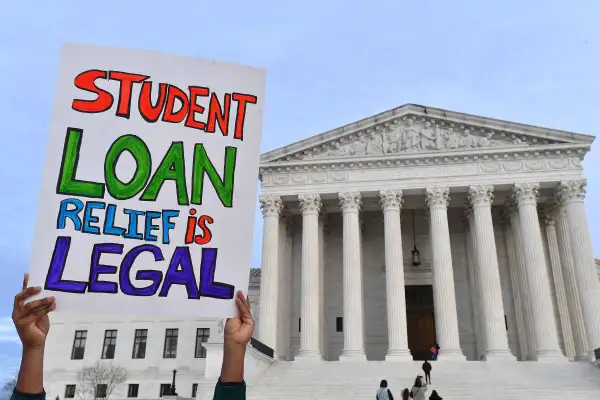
[[270, 205], [310, 203], [350, 201], [391, 199], [437, 197], [481, 195], [506, 214], [526, 193], [549, 211], [468, 212], [570, 191], [510, 206]]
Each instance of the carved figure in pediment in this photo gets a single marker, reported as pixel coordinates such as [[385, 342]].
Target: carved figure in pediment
[[393, 141], [359, 147], [467, 140], [412, 138], [486, 141], [453, 139], [427, 137], [375, 144], [433, 138], [337, 150]]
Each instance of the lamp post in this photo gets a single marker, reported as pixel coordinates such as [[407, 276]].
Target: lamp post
[[173, 392]]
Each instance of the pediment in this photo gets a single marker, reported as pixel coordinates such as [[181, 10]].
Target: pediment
[[413, 129]]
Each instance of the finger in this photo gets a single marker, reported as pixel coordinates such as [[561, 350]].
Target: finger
[[243, 303], [34, 305], [25, 281], [25, 294], [34, 316], [243, 309]]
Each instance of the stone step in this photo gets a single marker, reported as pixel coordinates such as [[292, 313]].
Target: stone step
[[453, 380]]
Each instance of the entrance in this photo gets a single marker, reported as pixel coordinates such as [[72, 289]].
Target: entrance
[[420, 320]]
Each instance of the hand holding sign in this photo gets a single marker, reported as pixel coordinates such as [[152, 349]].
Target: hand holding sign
[[137, 213]]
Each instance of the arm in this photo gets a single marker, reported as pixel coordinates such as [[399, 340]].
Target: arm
[[32, 323], [238, 331]]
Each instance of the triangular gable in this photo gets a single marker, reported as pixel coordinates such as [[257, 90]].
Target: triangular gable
[[414, 129]]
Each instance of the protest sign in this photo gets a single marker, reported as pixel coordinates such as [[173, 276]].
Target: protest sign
[[149, 185]]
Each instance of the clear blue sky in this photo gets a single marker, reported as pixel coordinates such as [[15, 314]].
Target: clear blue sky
[[329, 63]]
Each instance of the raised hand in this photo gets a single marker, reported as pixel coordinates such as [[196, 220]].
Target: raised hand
[[239, 329], [31, 319]]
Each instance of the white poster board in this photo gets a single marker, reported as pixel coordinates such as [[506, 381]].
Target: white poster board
[[149, 185]]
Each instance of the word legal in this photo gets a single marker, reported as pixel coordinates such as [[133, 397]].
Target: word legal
[[179, 272], [165, 105]]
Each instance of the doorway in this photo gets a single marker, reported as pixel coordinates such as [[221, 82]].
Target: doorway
[[420, 320]]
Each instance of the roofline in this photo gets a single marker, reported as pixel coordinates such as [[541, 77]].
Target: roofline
[[433, 112]]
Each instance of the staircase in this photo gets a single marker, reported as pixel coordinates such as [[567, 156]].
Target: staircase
[[452, 379]]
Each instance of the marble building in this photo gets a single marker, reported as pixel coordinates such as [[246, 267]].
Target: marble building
[[493, 210]]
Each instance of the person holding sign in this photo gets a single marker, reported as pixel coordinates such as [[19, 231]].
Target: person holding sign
[[32, 324]]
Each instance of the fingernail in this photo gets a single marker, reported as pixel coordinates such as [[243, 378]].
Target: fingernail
[[51, 299]]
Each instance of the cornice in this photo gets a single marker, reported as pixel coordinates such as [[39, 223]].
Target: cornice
[[433, 158], [504, 129]]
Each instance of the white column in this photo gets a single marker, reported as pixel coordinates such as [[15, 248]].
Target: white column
[[582, 350], [391, 203], [513, 260], [573, 195], [310, 205], [444, 300], [515, 223], [285, 289], [557, 279], [542, 314], [492, 309], [353, 285], [474, 281], [271, 207], [323, 334]]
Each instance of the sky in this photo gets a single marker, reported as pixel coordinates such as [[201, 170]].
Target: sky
[[328, 63]]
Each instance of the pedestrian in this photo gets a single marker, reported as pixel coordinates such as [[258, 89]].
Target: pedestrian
[[419, 389], [406, 394], [435, 396], [384, 393], [427, 369], [433, 351]]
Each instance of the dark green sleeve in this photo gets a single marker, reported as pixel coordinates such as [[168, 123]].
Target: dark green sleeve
[[227, 391], [16, 395]]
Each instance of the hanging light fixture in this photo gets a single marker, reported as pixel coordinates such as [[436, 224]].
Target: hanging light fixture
[[416, 258]]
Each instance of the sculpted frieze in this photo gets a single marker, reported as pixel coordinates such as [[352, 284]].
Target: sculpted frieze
[[409, 135]]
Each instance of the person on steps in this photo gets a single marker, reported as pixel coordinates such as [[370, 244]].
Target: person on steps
[[427, 369], [406, 394], [419, 389], [434, 352], [435, 396], [33, 324], [383, 393]]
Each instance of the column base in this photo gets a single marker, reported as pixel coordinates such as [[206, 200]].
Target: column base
[[499, 355], [398, 355], [451, 354], [308, 355], [353, 356], [551, 356]]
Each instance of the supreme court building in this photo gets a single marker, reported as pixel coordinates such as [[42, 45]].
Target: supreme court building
[[421, 225]]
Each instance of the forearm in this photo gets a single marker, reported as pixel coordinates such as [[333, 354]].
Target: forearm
[[232, 369], [31, 373]]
